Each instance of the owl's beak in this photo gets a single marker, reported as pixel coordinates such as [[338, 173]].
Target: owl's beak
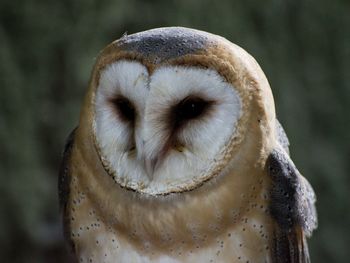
[[150, 166], [148, 159]]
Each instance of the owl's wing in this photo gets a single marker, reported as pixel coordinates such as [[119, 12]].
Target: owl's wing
[[282, 136], [64, 184], [292, 207]]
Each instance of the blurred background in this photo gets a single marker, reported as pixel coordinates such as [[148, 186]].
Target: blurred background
[[47, 50]]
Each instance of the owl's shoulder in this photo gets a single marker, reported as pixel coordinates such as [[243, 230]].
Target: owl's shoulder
[[282, 136], [64, 179], [292, 207]]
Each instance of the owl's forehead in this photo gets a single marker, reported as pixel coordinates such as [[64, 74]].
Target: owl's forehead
[[184, 47], [163, 44]]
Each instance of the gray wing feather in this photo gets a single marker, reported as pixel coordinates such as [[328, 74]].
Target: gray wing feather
[[292, 206], [308, 212], [64, 179], [282, 136], [64, 175]]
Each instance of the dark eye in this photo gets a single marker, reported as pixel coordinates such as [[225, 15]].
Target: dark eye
[[190, 108], [124, 108]]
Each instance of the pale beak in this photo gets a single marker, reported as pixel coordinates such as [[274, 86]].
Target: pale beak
[[150, 166], [148, 160]]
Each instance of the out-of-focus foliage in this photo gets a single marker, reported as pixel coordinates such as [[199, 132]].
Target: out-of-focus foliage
[[47, 49]]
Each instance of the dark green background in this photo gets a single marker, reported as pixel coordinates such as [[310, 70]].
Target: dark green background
[[47, 49]]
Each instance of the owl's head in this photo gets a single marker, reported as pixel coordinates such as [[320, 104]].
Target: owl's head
[[168, 109]]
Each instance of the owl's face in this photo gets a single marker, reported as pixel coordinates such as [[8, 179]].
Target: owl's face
[[159, 132], [170, 107]]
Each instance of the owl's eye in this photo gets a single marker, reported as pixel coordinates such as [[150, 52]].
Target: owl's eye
[[124, 108], [190, 108]]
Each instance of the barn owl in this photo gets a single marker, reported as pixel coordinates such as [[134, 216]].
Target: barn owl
[[179, 157]]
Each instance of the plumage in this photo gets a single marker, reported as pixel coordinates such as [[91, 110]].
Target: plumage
[[64, 181], [292, 207], [178, 157]]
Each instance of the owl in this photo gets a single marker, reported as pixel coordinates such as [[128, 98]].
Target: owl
[[179, 157]]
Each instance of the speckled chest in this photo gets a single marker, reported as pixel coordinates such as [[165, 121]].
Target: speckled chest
[[98, 239]]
